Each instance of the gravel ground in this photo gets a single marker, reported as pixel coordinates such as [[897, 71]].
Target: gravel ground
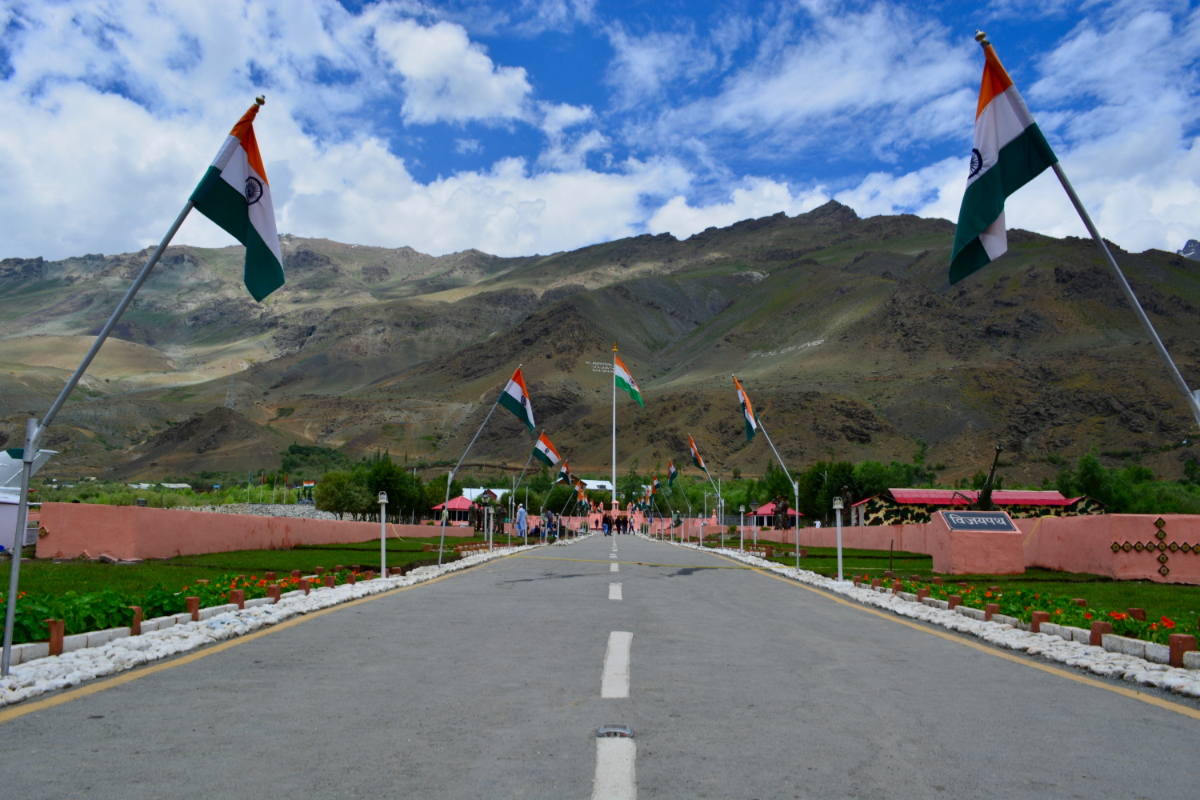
[[267, 510]]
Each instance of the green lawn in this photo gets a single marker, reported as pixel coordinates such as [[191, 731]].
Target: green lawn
[[1176, 601], [43, 577]]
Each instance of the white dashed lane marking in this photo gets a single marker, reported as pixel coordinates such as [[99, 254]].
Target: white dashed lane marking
[[616, 775], [614, 590], [615, 681], [614, 567]]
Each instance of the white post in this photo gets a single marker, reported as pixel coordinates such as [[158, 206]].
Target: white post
[[383, 534], [742, 528], [837, 510], [796, 510]]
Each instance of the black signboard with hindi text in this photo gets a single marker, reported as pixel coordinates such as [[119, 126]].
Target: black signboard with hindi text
[[979, 521]]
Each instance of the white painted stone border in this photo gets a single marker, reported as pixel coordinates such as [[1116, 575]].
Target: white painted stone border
[[101, 653], [1120, 663]]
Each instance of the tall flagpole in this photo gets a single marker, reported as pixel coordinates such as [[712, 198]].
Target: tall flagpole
[[1192, 398], [34, 431], [450, 475], [614, 424], [795, 486]]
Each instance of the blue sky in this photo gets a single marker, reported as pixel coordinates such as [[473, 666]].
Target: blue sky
[[544, 125]]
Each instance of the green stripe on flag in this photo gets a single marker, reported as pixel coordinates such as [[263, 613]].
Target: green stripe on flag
[[634, 393], [263, 273], [226, 206], [1020, 161], [514, 405]]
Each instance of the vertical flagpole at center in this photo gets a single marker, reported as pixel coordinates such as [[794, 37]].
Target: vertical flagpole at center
[[614, 424]]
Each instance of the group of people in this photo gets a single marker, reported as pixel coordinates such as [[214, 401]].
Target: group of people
[[618, 525], [549, 526]]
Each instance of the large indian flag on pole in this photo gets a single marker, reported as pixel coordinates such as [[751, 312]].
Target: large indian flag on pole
[[234, 193], [696, 459], [516, 399], [747, 411], [625, 381], [545, 452], [1009, 152]]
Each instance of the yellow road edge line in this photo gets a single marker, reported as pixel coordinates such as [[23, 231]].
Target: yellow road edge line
[[66, 696], [635, 563], [990, 649]]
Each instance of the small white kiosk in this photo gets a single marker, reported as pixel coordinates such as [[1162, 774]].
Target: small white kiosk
[[10, 492]]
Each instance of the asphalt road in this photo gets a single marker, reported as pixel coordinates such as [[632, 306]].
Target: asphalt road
[[488, 684]]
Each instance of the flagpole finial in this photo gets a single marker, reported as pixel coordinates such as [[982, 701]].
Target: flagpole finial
[[261, 100], [614, 347], [981, 37]]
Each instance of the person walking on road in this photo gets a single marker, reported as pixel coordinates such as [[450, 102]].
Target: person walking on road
[[522, 520]]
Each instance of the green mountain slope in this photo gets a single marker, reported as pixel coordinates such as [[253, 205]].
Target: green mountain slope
[[842, 329]]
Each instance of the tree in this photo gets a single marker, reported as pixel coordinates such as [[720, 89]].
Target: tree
[[435, 491], [338, 493]]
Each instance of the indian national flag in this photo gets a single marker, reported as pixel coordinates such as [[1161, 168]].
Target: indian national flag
[[516, 399], [1009, 152], [564, 473], [579, 491], [234, 193], [625, 381], [672, 473], [747, 410], [545, 451], [654, 485], [696, 459]]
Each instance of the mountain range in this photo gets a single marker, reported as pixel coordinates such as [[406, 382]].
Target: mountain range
[[843, 330]]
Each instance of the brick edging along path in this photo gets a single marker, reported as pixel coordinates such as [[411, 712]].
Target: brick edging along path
[[116, 651], [1116, 663]]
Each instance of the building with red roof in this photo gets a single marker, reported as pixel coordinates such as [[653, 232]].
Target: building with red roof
[[898, 506]]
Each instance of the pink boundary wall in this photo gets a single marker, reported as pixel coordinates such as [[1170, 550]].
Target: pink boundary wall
[[132, 532], [1084, 544], [1069, 544]]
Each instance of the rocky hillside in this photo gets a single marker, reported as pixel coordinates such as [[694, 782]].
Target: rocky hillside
[[842, 329]]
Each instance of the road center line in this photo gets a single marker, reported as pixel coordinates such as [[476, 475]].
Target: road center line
[[614, 590], [616, 774], [615, 682]]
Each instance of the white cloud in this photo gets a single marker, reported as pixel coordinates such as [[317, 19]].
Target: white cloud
[[449, 78], [831, 80], [112, 110], [644, 66], [759, 197]]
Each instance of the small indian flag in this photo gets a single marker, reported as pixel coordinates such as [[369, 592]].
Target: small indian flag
[[516, 399], [747, 410], [1009, 152], [564, 473], [234, 193], [625, 381], [545, 451], [654, 485], [672, 473], [696, 459]]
